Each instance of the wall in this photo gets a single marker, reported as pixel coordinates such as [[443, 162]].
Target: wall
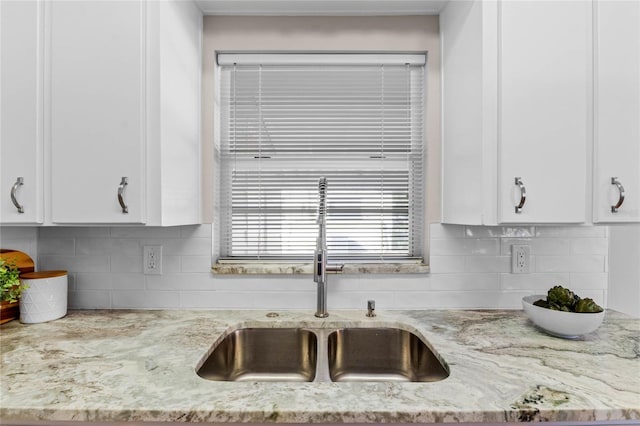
[[624, 268], [470, 269]]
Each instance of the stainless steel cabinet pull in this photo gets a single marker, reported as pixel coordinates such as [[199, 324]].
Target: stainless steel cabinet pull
[[121, 187], [616, 182], [14, 189], [523, 195]]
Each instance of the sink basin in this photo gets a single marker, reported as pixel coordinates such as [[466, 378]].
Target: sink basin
[[263, 354], [323, 355], [382, 354]]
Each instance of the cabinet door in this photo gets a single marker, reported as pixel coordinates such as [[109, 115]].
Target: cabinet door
[[617, 111], [21, 109], [97, 64], [544, 78]]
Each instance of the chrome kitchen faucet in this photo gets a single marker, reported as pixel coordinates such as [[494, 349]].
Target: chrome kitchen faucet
[[320, 267]]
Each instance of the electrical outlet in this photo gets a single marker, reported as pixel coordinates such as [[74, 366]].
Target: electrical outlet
[[520, 259], [152, 260]]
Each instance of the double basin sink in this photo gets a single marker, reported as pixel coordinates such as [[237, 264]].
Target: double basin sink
[[323, 355]]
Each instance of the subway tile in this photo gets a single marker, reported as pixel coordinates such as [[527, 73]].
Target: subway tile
[[182, 247], [73, 231], [117, 281], [499, 231], [74, 263], [145, 299], [172, 264], [291, 300], [217, 300], [127, 281], [89, 300], [24, 246], [144, 232], [460, 247], [181, 282], [465, 282], [57, 246], [539, 283], [195, 263], [262, 283], [415, 299], [590, 246], [396, 283], [487, 264], [582, 263], [446, 264], [18, 233], [461, 300], [336, 283], [92, 246], [441, 231], [571, 231], [93, 281], [126, 263], [353, 300], [539, 246], [589, 281]]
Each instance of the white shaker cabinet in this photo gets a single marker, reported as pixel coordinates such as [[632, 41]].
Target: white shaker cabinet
[[516, 105], [101, 112], [97, 111], [616, 178], [125, 112], [21, 112]]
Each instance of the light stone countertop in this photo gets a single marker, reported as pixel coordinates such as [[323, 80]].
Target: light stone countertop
[[116, 366]]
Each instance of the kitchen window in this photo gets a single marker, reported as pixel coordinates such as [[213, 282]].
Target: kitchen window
[[287, 119]]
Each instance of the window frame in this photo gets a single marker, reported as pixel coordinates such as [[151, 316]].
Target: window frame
[[415, 264]]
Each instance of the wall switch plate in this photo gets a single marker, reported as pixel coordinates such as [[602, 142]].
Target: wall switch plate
[[520, 258], [152, 260]]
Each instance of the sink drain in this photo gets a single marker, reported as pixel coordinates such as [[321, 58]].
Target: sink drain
[[273, 315]]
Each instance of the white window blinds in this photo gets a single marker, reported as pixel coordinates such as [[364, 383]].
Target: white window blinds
[[283, 125]]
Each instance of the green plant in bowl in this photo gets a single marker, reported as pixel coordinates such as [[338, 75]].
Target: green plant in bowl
[[10, 285], [563, 299]]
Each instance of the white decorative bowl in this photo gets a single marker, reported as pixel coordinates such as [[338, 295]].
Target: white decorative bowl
[[568, 325]]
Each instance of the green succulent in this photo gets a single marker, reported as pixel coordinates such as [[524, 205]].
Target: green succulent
[[565, 300], [10, 286], [562, 298], [587, 305]]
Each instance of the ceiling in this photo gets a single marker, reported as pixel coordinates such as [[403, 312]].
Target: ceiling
[[321, 7]]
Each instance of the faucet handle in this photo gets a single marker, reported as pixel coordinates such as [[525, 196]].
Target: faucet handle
[[371, 306], [335, 268]]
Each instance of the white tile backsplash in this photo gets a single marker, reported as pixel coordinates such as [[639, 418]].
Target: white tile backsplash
[[470, 268]]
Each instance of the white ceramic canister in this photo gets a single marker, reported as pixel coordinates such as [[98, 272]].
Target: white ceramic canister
[[45, 296]]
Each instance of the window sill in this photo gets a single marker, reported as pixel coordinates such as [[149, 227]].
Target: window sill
[[251, 268]]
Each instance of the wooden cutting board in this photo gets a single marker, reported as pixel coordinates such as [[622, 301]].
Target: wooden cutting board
[[21, 260], [11, 311]]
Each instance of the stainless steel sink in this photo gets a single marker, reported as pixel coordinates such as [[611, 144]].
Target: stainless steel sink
[[322, 355], [263, 354], [382, 354]]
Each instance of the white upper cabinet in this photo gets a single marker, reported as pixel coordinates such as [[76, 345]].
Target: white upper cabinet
[[21, 112], [106, 106], [617, 112], [516, 87], [97, 58]]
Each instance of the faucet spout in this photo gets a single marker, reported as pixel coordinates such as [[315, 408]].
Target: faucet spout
[[320, 255]]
